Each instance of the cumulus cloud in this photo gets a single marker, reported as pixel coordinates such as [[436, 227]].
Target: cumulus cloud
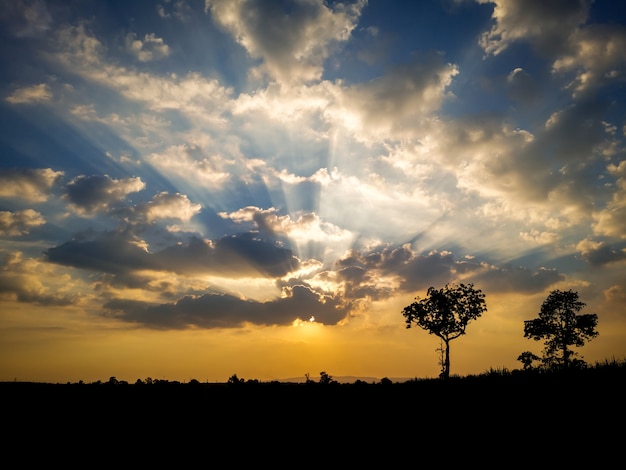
[[32, 94], [292, 44], [109, 252], [192, 163], [226, 311], [19, 222], [599, 253], [545, 23], [595, 56], [151, 48], [517, 278], [611, 220], [22, 279], [32, 185], [168, 206], [235, 256], [84, 54], [307, 227], [391, 105], [89, 194]]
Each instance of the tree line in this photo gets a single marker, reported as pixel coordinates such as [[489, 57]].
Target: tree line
[[446, 312]]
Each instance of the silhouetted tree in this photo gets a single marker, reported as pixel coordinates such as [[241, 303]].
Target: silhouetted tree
[[446, 313], [326, 379], [234, 380], [561, 328], [527, 358]]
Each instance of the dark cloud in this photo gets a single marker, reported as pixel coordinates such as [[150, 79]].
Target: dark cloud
[[411, 271], [25, 18], [517, 279], [93, 193], [416, 271], [110, 252], [227, 311], [20, 289], [600, 254], [241, 255], [233, 256]]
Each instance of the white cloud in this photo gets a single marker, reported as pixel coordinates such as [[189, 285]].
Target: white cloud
[[394, 105], [546, 23], [151, 48], [193, 165], [293, 44], [169, 206], [32, 185], [611, 220], [19, 222], [32, 94], [307, 227], [596, 56], [192, 93]]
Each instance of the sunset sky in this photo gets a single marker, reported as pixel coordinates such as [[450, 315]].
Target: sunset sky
[[194, 189]]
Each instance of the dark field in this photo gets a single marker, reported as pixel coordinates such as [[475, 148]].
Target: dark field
[[558, 418]]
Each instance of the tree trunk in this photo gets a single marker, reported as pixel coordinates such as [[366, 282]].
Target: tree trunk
[[446, 364]]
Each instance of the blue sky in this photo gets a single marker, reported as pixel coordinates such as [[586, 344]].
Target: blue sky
[[260, 187]]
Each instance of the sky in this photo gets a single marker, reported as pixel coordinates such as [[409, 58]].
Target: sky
[[194, 189]]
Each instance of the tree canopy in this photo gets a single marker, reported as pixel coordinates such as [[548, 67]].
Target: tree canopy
[[560, 327], [445, 313]]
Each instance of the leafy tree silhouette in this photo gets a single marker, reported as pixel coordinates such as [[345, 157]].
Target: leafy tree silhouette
[[234, 380], [527, 358], [561, 328], [445, 313], [326, 379]]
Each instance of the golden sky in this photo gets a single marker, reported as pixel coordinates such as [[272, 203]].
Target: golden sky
[[197, 189]]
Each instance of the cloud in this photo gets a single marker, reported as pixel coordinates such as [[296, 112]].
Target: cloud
[[403, 270], [516, 279], [21, 280], [547, 24], [84, 54], [32, 94], [226, 311], [191, 163], [19, 222], [109, 252], [599, 253], [235, 256], [89, 194], [25, 18], [611, 220], [596, 57], [392, 106], [307, 227], [167, 206], [293, 44], [151, 48], [540, 177], [32, 185]]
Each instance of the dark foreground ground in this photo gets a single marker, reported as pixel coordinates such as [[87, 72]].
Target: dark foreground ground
[[496, 420]]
